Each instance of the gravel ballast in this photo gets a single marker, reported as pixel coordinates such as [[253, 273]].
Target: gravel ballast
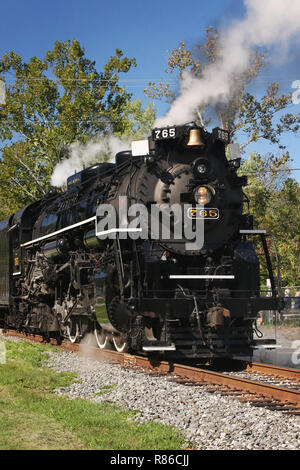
[[208, 420]]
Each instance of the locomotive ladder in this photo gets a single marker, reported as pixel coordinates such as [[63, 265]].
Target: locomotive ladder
[[275, 291], [263, 234]]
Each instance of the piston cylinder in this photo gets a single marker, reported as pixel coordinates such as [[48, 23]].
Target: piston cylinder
[[90, 240], [55, 248]]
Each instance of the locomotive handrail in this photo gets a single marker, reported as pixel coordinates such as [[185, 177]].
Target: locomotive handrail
[[263, 233], [50, 235]]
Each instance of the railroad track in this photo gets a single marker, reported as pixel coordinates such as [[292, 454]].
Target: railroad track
[[261, 389]]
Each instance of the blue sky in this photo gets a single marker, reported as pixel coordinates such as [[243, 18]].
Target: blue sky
[[142, 29]]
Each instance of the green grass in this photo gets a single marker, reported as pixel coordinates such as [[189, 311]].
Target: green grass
[[105, 389], [33, 417]]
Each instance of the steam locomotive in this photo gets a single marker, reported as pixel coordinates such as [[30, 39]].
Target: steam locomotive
[[69, 265]]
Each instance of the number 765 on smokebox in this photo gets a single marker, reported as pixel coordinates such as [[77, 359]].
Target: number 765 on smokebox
[[164, 133]]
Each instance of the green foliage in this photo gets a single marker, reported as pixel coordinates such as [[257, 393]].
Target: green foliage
[[283, 220], [275, 205], [138, 122], [51, 103], [256, 117], [266, 175]]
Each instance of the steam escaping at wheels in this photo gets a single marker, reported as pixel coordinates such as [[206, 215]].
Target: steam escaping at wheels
[[105, 340]]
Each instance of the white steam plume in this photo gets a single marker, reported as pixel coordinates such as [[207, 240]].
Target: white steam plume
[[266, 23], [86, 154]]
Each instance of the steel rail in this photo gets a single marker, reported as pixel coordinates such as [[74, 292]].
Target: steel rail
[[284, 395], [270, 369]]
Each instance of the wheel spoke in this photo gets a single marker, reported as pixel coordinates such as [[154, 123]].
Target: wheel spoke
[[101, 338], [120, 344], [70, 329]]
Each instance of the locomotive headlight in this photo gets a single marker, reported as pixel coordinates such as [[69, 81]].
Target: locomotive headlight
[[203, 195], [201, 169]]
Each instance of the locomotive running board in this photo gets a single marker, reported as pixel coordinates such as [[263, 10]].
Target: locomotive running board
[[161, 347], [200, 276], [253, 232], [267, 343]]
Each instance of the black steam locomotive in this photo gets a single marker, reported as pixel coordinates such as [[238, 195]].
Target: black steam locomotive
[[64, 273]]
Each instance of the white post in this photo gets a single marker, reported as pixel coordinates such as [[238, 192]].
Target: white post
[[2, 92], [268, 293], [2, 352]]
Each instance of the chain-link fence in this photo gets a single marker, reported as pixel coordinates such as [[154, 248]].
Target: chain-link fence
[[291, 304], [290, 312]]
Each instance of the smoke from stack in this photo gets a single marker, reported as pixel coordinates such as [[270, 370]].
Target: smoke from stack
[[266, 24], [82, 155]]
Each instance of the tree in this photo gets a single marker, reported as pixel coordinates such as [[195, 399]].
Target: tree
[[283, 220], [266, 175], [244, 114], [50, 103], [139, 122], [275, 205]]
